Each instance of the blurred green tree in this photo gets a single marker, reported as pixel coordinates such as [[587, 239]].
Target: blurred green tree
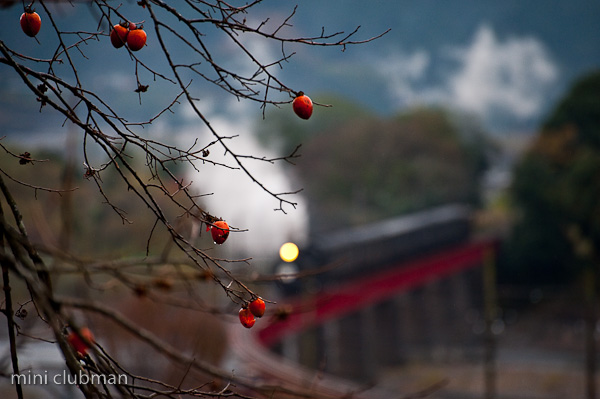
[[358, 167], [556, 190]]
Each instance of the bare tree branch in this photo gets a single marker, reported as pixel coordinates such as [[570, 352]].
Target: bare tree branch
[[113, 144]]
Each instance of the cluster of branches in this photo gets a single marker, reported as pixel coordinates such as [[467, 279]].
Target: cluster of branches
[[104, 129]]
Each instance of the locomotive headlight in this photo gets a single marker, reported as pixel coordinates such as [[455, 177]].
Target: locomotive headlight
[[288, 252]]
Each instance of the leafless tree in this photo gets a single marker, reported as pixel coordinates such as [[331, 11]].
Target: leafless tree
[[57, 84]]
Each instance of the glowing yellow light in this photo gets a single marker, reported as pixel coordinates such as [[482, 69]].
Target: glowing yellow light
[[288, 252]]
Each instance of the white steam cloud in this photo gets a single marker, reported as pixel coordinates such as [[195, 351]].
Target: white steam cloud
[[513, 75], [488, 75], [233, 194]]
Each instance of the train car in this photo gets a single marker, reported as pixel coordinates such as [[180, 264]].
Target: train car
[[365, 249]]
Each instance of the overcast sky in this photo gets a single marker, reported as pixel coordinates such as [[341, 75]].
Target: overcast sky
[[482, 76]]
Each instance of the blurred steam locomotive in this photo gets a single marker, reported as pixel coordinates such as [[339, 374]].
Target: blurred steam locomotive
[[338, 256]]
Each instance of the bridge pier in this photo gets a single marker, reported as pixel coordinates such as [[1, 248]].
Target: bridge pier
[[351, 341], [331, 347], [406, 331], [370, 339], [386, 335], [422, 313], [428, 322]]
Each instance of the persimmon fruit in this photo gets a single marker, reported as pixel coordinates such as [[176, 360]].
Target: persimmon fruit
[[246, 317], [257, 307], [136, 39], [303, 106], [118, 35], [219, 231], [31, 22], [78, 344]]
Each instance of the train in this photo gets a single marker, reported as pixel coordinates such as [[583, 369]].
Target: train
[[344, 255]]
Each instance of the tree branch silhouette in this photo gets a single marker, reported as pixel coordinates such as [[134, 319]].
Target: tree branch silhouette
[[111, 143]]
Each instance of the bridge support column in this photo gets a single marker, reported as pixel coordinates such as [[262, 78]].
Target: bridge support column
[[370, 337], [461, 306], [436, 330], [387, 333], [331, 346], [351, 350], [406, 332]]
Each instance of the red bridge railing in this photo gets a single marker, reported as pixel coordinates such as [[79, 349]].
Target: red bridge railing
[[349, 297]]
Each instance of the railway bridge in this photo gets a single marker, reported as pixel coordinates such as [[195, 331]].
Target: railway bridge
[[408, 288]]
